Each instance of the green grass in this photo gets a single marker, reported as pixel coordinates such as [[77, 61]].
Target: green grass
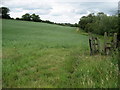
[[43, 55]]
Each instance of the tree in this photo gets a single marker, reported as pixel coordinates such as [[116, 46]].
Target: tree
[[35, 18], [118, 36], [17, 18], [4, 11], [26, 17], [76, 25], [99, 23]]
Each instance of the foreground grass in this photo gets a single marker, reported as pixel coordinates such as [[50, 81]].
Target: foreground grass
[[50, 56]]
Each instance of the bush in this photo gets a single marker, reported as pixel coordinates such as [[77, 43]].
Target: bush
[[99, 23]]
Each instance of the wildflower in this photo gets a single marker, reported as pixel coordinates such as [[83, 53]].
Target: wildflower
[[86, 57], [91, 81], [83, 82], [107, 78], [102, 81], [81, 69], [88, 71]]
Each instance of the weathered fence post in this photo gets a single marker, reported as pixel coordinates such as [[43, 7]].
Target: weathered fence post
[[98, 45], [90, 43], [109, 44], [105, 38], [94, 44], [115, 40]]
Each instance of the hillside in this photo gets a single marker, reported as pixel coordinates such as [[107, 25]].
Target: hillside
[[46, 55], [41, 34]]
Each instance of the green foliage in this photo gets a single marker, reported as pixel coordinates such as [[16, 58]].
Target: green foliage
[[4, 11], [99, 23], [26, 17], [35, 18]]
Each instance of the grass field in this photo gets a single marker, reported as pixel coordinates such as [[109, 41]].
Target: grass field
[[50, 56]]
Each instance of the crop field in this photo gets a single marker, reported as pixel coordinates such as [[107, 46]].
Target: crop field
[[40, 55]]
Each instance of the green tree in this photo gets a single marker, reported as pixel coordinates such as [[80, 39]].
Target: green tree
[[4, 12], [26, 17], [99, 23], [35, 18]]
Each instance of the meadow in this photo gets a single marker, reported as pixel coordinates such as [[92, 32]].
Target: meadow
[[41, 55]]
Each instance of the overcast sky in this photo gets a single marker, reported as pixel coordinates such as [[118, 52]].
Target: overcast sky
[[62, 11]]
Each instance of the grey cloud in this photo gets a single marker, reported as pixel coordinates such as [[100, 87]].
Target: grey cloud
[[72, 9], [56, 14], [83, 11], [108, 8]]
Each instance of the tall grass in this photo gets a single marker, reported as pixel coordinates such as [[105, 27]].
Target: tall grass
[[51, 56]]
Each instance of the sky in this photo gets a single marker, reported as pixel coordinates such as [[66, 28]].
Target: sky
[[60, 11]]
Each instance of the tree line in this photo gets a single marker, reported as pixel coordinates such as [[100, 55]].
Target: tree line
[[30, 17], [95, 23], [36, 18], [4, 13], [99, 23]]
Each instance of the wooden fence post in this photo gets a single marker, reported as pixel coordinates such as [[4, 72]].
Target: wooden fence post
[[105, 37], [109, 44], [94, 44], [98, 45], [90, 43], [115, 40]]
